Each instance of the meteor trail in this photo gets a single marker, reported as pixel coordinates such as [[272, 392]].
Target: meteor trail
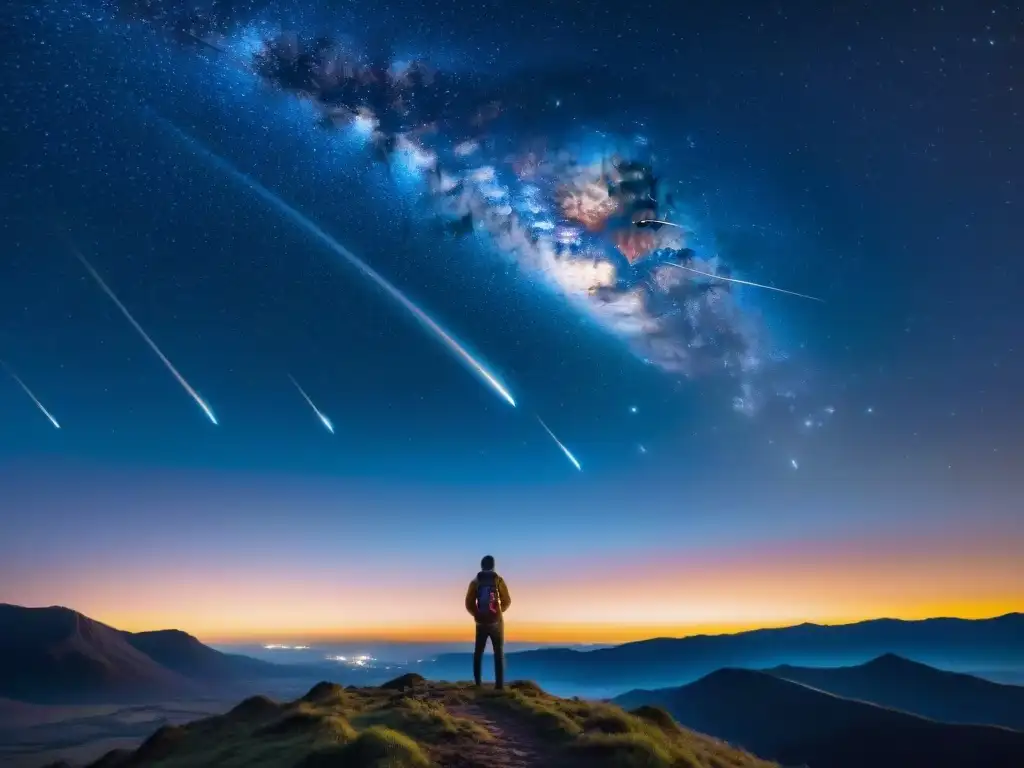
[[28, 392], [313, 229], [124, 310], [566, 451], [326, 422], [662, 223], [743, 282]]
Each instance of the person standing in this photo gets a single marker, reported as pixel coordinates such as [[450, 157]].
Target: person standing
[[487, 599]]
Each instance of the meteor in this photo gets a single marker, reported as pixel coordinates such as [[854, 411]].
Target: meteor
[[124, 310], [313, 229], [743, 282], [566, 451], [326, 422], [28, 392], [656, 223], [659, 223]]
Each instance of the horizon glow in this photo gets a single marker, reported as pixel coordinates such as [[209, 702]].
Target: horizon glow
[[721, 591]]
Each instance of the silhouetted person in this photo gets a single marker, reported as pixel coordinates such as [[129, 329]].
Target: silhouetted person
[[487, 599]]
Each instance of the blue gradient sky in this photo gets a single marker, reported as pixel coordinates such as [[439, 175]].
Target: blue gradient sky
[[831, 152]]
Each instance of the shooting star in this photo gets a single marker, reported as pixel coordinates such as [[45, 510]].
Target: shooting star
[[28, 392], [742, 282], [313, 229], [659, 223], [124, 310], [326, 422], [566, 451]]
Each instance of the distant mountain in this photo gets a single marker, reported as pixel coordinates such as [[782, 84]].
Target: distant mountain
[[789, 722], [948, 643], [186, 655], [1007, 676], [899, 683], [56, 654], [17, 714]]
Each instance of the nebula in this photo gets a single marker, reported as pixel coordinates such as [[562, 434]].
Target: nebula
[[572, 220]]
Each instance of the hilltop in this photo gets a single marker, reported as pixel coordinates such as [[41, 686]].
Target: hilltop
[[410, 723]]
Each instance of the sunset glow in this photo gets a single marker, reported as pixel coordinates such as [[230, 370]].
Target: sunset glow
[[616, 600]]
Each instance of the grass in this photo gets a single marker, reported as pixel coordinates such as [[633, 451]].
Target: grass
[[601, 735], [425, 719], [376, 747], [410, 723]]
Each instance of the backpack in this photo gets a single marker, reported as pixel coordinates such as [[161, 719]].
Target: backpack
[[488, 604]]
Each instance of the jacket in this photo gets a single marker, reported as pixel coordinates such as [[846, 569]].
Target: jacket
[[503, 597]]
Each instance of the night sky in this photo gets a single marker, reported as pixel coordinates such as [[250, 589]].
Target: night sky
[[867, 153]]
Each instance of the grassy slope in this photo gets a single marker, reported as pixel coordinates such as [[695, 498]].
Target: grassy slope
[[410, 723]]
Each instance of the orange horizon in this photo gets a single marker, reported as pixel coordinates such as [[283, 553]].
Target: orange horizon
[[972, 575], [574, 634]]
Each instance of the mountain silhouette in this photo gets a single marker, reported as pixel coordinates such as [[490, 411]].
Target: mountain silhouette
[[16, 714], [186, 655], [56, 654], [977, 643], [794, 724], [899, 683]]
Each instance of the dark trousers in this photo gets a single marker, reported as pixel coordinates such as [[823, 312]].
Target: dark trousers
[[496, 633]]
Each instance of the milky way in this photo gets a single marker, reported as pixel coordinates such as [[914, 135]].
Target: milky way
[[563, 211], [572, 214]]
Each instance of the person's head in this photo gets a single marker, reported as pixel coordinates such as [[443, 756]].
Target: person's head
[[487, 564]]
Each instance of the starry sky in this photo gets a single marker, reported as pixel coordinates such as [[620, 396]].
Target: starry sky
[[867, 153]]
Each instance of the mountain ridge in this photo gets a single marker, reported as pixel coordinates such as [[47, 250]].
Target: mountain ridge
[[58, 655], [674, 661], [186, 654], [893, 681], [53, 649], [796, 724]]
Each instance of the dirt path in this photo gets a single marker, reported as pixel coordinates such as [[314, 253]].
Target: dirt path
[[513, 746]]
